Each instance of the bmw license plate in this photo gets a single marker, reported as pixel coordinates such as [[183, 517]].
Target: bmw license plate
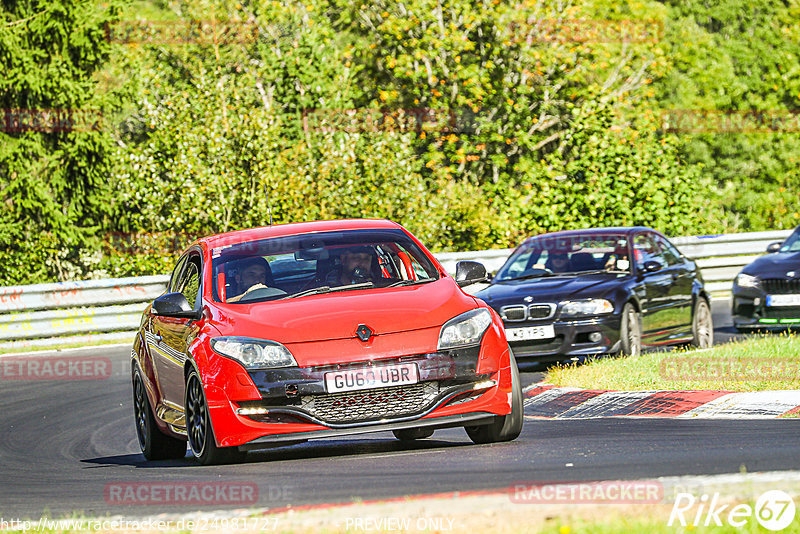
[[371, 377], [783, 300], [530, 332]]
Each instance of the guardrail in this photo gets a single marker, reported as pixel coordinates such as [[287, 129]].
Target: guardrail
[[90, 310]]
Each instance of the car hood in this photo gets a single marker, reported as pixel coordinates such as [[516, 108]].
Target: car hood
[[550, 289], [337, 315], [774, 265]]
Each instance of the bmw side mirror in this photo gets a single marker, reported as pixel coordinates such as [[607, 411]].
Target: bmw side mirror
[[652, 266], [470, 272], [173, 305], [774, 247]]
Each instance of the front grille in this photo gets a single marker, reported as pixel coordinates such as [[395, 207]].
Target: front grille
[[534, 312], [371, 404], [540, 311], [783, 312], [513, 313], [777, 286]]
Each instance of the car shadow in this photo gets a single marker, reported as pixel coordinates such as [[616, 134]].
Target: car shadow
[[315, 449]]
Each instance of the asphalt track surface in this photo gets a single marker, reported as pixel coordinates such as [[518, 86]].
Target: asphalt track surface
[[64, 444]]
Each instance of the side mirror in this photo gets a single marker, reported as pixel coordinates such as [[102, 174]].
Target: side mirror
[[173, 305], [652, 266], [470, 272], [774, 247]]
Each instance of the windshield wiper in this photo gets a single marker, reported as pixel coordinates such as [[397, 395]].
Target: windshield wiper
[[411, 282], [598, 271], [532, 275], [328, 289]]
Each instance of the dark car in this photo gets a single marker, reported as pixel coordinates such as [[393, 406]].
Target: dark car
[[575, 293], [766, 293]]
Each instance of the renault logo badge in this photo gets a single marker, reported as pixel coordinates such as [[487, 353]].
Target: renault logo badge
[[363, 332]]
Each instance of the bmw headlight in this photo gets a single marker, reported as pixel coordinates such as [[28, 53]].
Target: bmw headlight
[[465, 329], [746, 280], [254, 353], [586, 307]]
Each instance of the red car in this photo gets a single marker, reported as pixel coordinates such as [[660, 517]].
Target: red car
[[277, 335]]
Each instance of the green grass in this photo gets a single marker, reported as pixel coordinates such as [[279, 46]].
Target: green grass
[[766, 362]]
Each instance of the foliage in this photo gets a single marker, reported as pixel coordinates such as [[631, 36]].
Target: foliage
[[473, 123], [53, 176]]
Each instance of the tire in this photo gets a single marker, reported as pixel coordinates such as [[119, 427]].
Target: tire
[[410, 434], [504, 427], [631, 331], [155, 444], [702, 325], [199, 430]]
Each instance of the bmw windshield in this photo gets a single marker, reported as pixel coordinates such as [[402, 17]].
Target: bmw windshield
[[566, 255], [309, 264]]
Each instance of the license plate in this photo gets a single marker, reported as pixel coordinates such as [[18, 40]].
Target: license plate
[[530, 332], [371, 377], [783, 300]]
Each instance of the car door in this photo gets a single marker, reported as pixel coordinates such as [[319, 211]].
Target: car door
[[656, 326], [680, 293], [170, 338]]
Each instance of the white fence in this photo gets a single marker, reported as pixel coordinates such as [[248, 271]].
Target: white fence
[[77, 312]]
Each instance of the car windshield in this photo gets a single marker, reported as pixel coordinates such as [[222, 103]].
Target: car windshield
[[792, 243], [300, 265], [567, 254]]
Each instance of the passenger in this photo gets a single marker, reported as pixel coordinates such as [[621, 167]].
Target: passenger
[[557, 263]]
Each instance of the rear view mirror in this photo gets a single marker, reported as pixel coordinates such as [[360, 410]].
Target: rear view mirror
[[652, 266], [470, 272], [774, 247]]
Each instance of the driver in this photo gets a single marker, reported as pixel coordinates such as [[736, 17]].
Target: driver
[[356, 267], [251, 274]]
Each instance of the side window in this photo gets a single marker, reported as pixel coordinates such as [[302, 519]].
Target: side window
[[669, 252], [644, 250], [176, 272], [189, 281]]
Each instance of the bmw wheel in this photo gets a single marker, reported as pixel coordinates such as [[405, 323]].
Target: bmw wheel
[[155, 445], [504, 427], [702, 325], [631, 331], [199, 429]]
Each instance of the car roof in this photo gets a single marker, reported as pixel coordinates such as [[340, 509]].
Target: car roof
[[283, 230], [606, 230]]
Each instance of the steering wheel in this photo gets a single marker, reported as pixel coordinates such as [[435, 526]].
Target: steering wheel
[[261, 293]]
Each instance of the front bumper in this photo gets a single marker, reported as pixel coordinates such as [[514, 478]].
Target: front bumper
[[455, 388], [749, 311], [573, 339]]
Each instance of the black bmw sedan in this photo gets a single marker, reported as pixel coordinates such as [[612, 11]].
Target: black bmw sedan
[[766, 293], [576, 293]]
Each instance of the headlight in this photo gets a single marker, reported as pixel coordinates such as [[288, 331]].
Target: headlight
[[254, 353], [586, 307], [465, 329], [746, 280]]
